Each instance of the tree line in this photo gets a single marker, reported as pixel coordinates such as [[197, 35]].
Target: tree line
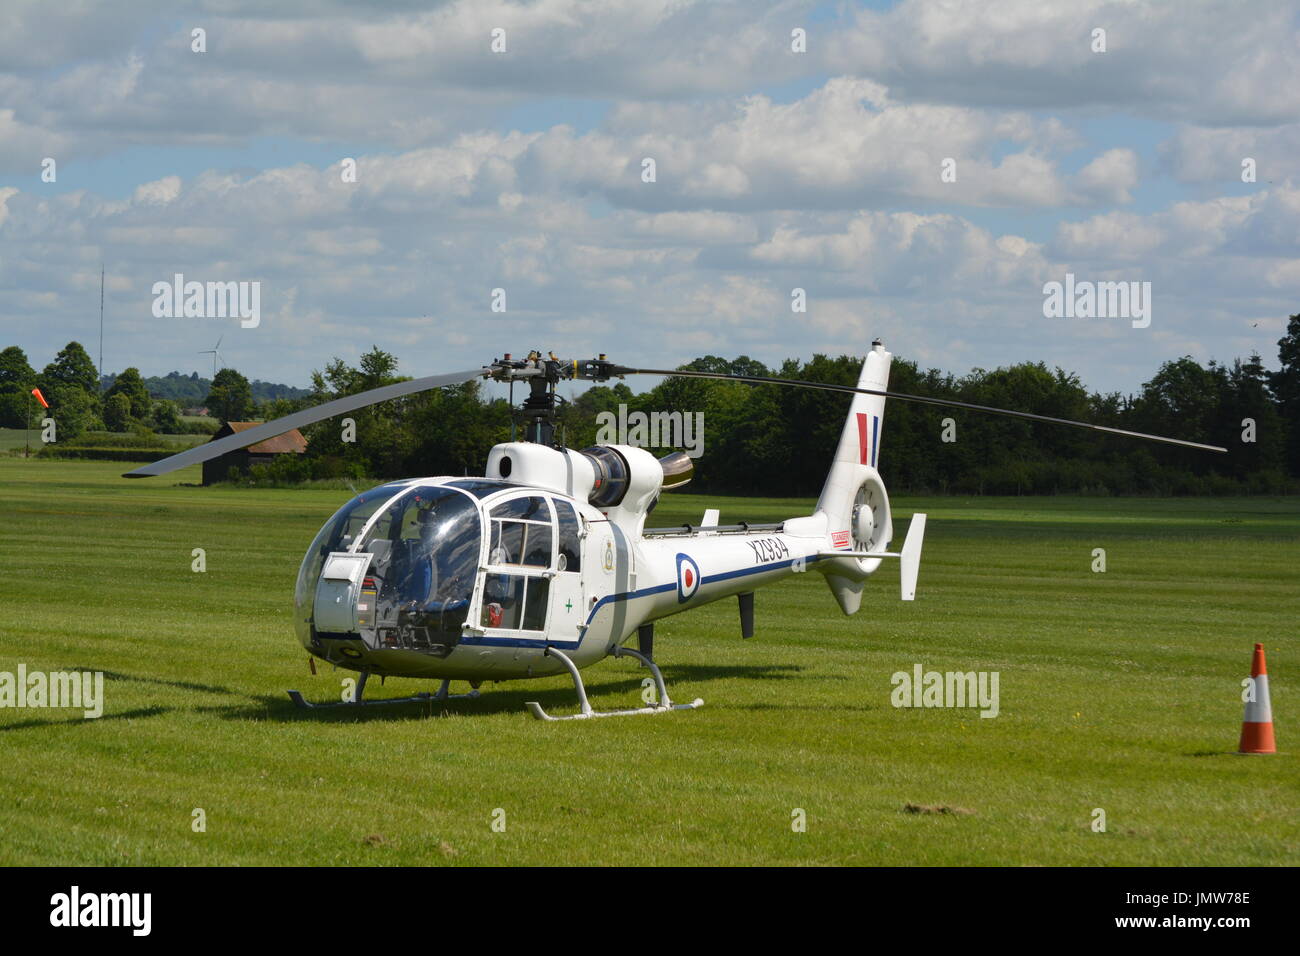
[[82, 401], [191, 391], [777, 441], [87, 401]]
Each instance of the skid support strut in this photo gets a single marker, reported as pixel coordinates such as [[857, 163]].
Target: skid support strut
[[664, 705], [359, 701]]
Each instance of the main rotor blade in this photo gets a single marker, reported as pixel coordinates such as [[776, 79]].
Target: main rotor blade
[[925, 400], [308, 416]]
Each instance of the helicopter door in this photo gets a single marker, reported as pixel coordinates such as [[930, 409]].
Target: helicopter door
[[335, 610], [516, 592], [567, 610]]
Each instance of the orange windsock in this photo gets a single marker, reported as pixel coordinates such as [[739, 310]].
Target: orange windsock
[[1257, 725], [40, 398]]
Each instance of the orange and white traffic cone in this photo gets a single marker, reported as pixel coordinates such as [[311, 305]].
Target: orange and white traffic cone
[[1257, 725]]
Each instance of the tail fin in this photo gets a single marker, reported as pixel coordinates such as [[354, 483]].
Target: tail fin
[[853, 500], [858, 453]]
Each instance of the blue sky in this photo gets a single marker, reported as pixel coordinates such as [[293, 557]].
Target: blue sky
[[775, 170]]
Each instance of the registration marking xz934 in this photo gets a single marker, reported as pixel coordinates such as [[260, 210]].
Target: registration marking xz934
[[768, 549]]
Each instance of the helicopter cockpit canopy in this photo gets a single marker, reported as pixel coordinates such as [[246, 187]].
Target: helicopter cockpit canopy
[[402, 565], [423, 543]]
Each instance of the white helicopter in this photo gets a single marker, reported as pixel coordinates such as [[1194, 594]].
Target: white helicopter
[[544, 565]]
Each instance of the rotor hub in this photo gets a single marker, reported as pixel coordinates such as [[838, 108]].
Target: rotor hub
[[543, 373]]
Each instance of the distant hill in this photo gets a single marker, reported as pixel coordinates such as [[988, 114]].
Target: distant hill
[[192, 390]]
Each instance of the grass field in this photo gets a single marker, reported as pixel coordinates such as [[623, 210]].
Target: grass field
[[11, 438], [1119, 691]]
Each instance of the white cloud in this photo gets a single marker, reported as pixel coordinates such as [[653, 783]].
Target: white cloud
[[24, 145], [845, 144], [1203, 155], [83, 80], [346, 266], [159, 191], [903, 252], [1113, 235], [1215, 234], [101, 81], [701, 228], [1210, 62], [5, 193], [836, 189], [1110, 177]]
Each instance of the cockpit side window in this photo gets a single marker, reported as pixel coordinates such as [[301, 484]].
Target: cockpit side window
[[532, 508], [521, 533], [570, 545], [515, 601]]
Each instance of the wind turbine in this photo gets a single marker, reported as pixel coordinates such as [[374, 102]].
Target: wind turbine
[[216, 356]]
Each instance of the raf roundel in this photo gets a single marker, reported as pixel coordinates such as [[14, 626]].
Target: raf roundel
[[688, 578]]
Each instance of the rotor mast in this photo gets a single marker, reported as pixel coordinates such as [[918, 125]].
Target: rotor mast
[[537, 412]]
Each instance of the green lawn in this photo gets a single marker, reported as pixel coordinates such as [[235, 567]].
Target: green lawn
[[11, 438], [1119, 691]]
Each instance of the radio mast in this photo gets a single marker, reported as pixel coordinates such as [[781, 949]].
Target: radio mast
[[101, 328]]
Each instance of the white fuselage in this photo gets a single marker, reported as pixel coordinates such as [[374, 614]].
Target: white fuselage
[[584, 596], [623, 582]]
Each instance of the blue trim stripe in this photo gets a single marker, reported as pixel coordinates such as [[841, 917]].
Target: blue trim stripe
[[625, 596], [774, 566], [631, 596], [875, 437]]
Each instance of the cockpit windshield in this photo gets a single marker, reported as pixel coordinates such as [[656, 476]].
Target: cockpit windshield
[[338, 534], [426, 550], [425, 543]]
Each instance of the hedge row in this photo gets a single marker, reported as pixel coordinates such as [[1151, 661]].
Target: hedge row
[[105, 454], [148, 441]]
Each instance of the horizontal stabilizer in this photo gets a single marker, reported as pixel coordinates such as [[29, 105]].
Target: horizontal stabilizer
[[910, 564]]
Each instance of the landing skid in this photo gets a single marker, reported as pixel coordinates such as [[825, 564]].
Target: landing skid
[[441, 695], [664, 706]]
